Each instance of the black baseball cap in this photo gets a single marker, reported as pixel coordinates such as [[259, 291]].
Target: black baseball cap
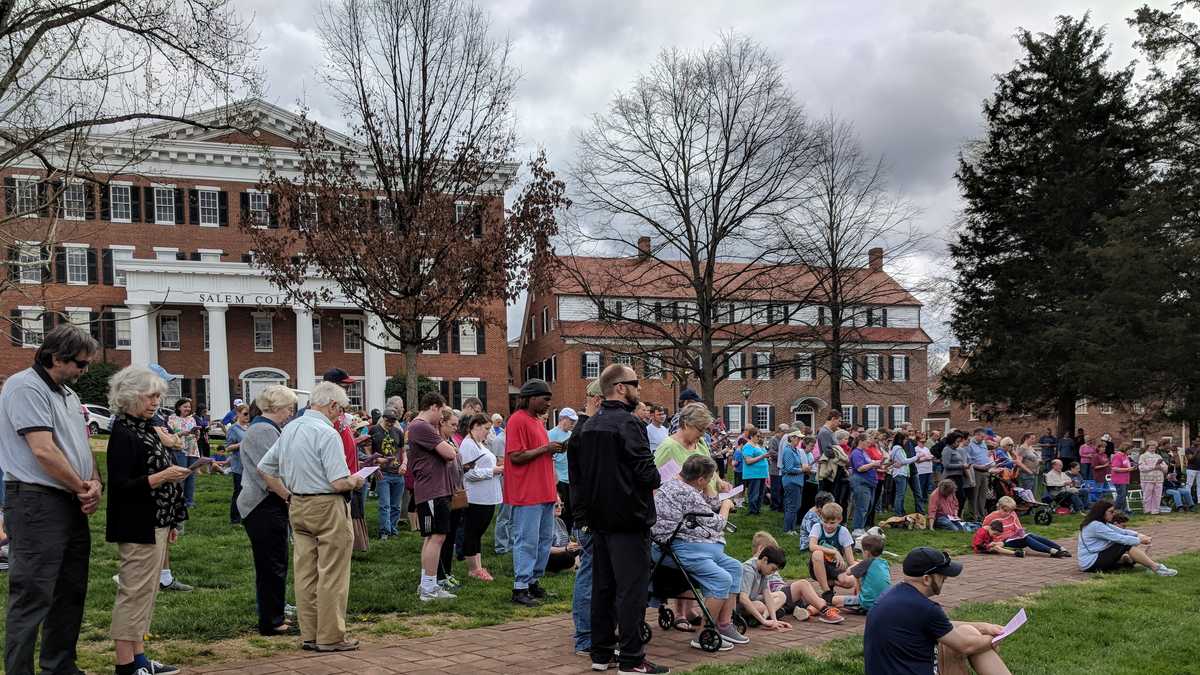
[[534, 387], [924, 560], [337, 376], [689, 394]]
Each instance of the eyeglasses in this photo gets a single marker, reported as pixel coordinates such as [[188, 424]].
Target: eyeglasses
[[631, 383], [81, 364]]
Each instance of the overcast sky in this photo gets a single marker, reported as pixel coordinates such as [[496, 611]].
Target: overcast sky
[[911, 75]]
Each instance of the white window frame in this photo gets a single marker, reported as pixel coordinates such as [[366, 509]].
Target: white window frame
[[166, 253], [30, 258], [591, 368], [1081, 406], [902, 417], [848, 415], [349, 336], [762, 363], [174, 393], [807, 368], [258, 205], [355, 392], [120, 277], [318, 342], [466, 393], [735, 366], [213, 210], [429, 326], [468, 338], [268, 344], [125, 203], [80, 316], [210, 255], [1106, 409], [32, 327], [654, 366], [733, 411], [873, 374], [765, 411], [75, 250], [167, 317], [847, 368], [899, 368], [306, 211], [623, 359], [878, 411], [26, 195], [122, 331], [972, 412], [74, 202], [545, 320], [164, 198]]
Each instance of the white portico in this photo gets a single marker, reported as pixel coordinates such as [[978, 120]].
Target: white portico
[[158, 287]]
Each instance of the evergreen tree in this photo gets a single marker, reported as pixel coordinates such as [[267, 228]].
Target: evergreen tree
[[1064, 149]]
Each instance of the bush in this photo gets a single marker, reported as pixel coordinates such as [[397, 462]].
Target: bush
[[93, 386], [397, 385]]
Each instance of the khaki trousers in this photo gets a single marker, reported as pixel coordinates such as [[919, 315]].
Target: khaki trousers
[[137, 587], [322, 540]]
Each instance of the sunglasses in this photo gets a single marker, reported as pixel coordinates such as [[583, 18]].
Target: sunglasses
[[81, 364], [944, 563], [631, 383]]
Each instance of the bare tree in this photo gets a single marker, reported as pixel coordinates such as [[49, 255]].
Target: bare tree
[[409, 224], [82, 85], [703, 157], [833, 235]]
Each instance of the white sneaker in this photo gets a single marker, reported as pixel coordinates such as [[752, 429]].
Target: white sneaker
[[438, 593], [858, 533], [725, 645], [1164, 571]]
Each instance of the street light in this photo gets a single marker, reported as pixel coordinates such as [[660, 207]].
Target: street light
[[746, 391]]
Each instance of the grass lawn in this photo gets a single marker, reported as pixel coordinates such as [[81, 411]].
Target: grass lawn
[[216, 622], [1111, 625]]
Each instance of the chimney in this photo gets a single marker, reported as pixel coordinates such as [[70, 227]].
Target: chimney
[[643, 247], [875, 259]]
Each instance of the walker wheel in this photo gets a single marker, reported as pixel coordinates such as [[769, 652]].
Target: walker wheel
[[666, 618], [1043, 516], [645, 633], [710, 640], [739, 623]]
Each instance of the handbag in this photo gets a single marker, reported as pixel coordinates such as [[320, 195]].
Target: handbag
[[458, 500]]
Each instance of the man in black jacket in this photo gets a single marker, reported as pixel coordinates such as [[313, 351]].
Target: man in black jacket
[[615, 485]]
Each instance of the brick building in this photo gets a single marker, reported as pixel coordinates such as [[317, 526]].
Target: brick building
[[156, 264], [565, 342]]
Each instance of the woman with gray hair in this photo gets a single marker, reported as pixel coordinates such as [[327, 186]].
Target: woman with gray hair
[[688, 441], [145, 510]]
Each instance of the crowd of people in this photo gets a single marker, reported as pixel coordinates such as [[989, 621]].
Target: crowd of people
[[610, 489]]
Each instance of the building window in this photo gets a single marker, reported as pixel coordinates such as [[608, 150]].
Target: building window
[[431, 334], [32, 327], [119, 275], [260, 206], [623, 359], [204, 330], [166, 253], [972, 412], [352, 334], [733, 413], [468, 338], [847, 367], [210, 256], [591, 365], [316, 323], [121, 328], [354, 391], [264, 338], [1106, 409], [470, 389], [877, 317], [31, 262], [174, 393], [654, 367], [164, 206], [848, 415], [545, 320], [1081, 406], [74, 202], [209, 211], [119, 203], [804, 367], [80, 317], [77, 265], [872, 370], [168, 332], [899, 368], [27, 197], [762, 417], [762, 365], [899, 415], [734, 366], [307, 211], [871, 416]]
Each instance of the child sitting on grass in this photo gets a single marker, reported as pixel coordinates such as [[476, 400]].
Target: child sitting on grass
[[872, 574], [832, 550], [813, 516], [765, 606], [990, 539]]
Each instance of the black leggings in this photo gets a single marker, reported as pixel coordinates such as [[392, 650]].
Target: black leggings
[[447, 553], [475, 523]]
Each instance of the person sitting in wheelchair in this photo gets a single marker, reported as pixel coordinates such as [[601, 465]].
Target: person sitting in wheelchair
[[699, 544]]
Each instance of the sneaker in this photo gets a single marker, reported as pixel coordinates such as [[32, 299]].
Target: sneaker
[[538, 592], [343, 646], [792, 533], [830, 614], [726, 645], [612, 663], [3, 564], [1164, 571], [450, 583], [384, 537], [437, 594], [522, 596], [309, 645], [730, 634], [1020, 553], [157, 668], [645, 667], [858, 533], [177, 585], [289, 610]]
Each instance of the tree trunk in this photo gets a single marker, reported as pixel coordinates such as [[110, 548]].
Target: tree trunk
[[835, 383], [410, 377], [1065, 407]]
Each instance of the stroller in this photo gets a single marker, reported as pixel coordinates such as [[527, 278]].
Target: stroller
[[1004, 483], [668, 583]]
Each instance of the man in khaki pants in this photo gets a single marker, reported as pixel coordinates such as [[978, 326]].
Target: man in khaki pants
[[309, 461]]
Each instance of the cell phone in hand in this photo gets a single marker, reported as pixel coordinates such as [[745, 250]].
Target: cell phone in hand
[[200, 463]]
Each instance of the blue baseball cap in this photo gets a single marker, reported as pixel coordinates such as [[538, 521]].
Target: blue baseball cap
[[162, 372]]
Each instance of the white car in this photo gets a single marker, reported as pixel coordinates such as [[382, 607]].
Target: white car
[[99, 418]]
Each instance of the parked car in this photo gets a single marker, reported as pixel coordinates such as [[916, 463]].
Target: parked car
[[99, 418]]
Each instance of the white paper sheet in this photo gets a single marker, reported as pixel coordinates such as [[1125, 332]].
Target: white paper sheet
[[669, 470], [732, 493], [366, 472], [1011, 627]]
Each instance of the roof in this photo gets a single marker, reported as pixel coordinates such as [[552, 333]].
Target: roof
[[654, 278], [253, 113]]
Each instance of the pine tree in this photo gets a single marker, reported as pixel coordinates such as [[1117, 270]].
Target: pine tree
[[1064, 148]]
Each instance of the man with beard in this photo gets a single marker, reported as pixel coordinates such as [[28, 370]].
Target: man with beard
[[53, 485], [616, 484], [905, 625], [530, 488]]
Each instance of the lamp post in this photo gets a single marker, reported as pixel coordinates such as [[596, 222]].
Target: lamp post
[[746, 391]]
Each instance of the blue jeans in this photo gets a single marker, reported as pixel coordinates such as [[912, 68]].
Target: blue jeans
[[189, 484], [1033, 541], [1085, 470], [791, 505], [944, 523], [922, 488], [502, 534], [581, 598], [390, 487], [776, 492], [1122, 494], [533, 532], [1181, 497], [717, 574], [754, 493], [901, 485], [863, 492]]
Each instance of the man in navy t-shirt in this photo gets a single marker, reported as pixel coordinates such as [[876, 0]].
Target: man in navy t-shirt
[[905, 628]]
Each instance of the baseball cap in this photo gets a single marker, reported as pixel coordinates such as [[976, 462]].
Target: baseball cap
[[337, 376], [925, 560], [162, 372], [569, 413], [593, 389], [689, 394], [237, 402], [534, 387], [389, 414]]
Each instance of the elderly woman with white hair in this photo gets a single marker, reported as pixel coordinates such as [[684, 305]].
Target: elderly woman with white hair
[[145, 509]]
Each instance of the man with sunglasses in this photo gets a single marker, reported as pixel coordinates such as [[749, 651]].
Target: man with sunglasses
[[52, 486], [906, 629]]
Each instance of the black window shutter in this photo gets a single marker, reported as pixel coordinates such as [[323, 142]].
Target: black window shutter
[[223, 208], [60, 264], [443, 339], [904, 359], [891, 417], [181, 255], [10, 195], [480, 339], [483, 394], [753, 365], [194, 206], [771, 365], [602, 362], [94, 325], [105, 203], [812, 366], [444, 387], [798, 366], [883, 317], [457, 394], [201, 391], [583, 365], [43, 192], [185, 387], [886, 370], [93, 274], [178, 206], [194, 256], [14, 327], [149, 212], [135, 205], [89, 201], [771, 417], [725, 415], [246, 258], [244, 214], [46, 262], [455, 346], [272, 212], [108, 330], [106, 265], [48, 321]]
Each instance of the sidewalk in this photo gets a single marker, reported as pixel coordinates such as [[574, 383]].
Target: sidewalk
[[544, 645]]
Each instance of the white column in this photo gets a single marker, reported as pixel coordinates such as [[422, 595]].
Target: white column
[[139, 335], [152, 330], [218, 361], [374, 369], [306, 370]]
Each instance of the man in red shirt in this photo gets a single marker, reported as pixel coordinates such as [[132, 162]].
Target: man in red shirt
[[530, 488]]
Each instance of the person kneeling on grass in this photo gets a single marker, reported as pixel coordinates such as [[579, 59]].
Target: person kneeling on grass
[[832, 550], [765, 606], [990, 539], [1104, 547], [906, 630], [812, 517], [1015, 536], [872, 576]]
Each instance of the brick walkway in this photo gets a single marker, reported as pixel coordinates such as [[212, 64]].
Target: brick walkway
[[544, 645]]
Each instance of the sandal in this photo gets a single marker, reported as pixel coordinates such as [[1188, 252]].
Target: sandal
[[682, 624]]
